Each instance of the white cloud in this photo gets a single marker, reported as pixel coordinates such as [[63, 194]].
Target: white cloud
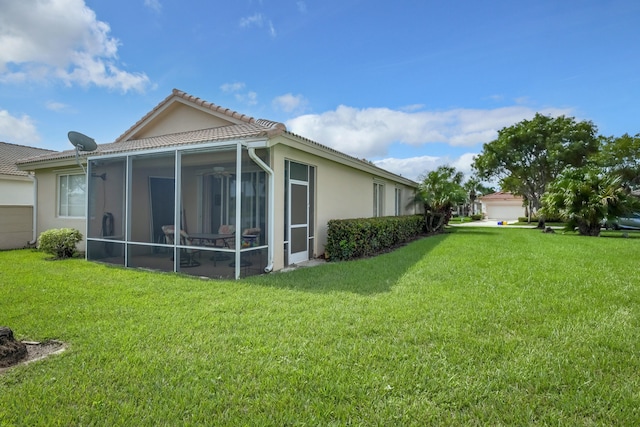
[[412, 167], [17, 130], [62, 40], [237, 89], [154, 5], [258, 20], [255, 20], [232, 87], [250, 98], [369, 132], [56, 106], [290, 103], [415, 167]]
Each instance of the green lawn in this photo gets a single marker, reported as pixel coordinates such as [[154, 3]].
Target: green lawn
[[481, 326]]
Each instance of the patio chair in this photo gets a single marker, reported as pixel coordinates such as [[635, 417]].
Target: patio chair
[[250, 237], [225, 229], [228, 232], [186, 254]]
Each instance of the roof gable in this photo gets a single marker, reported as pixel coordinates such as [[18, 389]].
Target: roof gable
[[181, 112]]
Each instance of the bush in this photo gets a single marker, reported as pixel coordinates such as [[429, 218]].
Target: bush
[[60, 242], [355, 238], [476, 217]]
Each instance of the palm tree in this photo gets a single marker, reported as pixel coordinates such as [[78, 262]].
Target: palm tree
[[439, 191], [585, 196]]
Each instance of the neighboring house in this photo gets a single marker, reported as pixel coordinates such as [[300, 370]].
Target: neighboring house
[[16, 196], [502, 206], [193, 163]]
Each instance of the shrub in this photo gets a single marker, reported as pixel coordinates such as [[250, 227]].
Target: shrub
[[59, 242], [476, 217], [355, 238]]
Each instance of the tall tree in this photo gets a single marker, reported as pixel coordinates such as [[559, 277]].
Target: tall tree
[[439, 191], [527, 156], [585, 196]]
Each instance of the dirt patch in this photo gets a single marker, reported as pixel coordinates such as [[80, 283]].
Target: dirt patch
[[38, 351]]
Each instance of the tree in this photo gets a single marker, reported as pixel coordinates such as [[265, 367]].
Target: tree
[[585, 196], [527, 156], [475, 189], [439, 192], [621, 156]]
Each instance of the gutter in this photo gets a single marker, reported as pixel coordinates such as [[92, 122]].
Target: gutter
[[34, 239], [271, 206]]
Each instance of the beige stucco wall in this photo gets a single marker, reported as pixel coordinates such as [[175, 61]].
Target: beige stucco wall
[[16, 191], [48, 204], [16, 225], [341, 192], [180, 118]]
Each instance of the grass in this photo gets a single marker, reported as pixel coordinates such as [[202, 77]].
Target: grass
[[481, 326]]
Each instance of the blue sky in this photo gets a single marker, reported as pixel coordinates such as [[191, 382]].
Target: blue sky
[[409, 85]]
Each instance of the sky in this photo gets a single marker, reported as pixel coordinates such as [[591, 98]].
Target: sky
[[409, 84]]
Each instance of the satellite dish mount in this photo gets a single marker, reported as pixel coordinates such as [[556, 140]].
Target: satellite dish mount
[[82, 143]]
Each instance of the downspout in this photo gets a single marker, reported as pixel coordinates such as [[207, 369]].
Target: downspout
[[34, 239], [271, 205]]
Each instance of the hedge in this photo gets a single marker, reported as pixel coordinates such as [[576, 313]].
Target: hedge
[[361, 237]]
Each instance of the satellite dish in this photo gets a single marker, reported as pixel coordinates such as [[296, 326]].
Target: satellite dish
[[82, 142]]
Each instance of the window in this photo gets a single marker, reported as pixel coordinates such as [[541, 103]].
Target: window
[[398, 211], [72, 195], [378, 199]]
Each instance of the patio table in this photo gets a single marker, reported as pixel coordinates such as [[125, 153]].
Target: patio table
[[212, 238]]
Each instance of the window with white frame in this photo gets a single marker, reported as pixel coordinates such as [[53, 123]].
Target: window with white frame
[[378, 199], [72, 195], [398, 211]]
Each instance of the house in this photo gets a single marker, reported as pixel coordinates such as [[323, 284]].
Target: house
[[249, 196], [16, 196], [502, 206]]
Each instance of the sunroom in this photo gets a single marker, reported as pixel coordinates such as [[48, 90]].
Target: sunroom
[[202, 210]]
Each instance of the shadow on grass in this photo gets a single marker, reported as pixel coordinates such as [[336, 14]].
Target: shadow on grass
[[364, 276]]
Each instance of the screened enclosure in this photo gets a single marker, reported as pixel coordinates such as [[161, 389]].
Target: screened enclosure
[[198, 210]]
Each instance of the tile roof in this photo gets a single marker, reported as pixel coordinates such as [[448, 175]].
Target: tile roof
[[500, 195], [246, 127], [11, 153], [259, 128]]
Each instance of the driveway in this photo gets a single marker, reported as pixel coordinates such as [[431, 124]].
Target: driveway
[[489, 223]]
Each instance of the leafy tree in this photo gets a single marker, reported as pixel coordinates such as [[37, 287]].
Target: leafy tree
[[622, 156], [439, 191], [527, 156], [585, 196]]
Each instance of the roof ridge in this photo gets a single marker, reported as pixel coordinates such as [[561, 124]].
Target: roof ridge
[[213, 107], [25, 146]]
